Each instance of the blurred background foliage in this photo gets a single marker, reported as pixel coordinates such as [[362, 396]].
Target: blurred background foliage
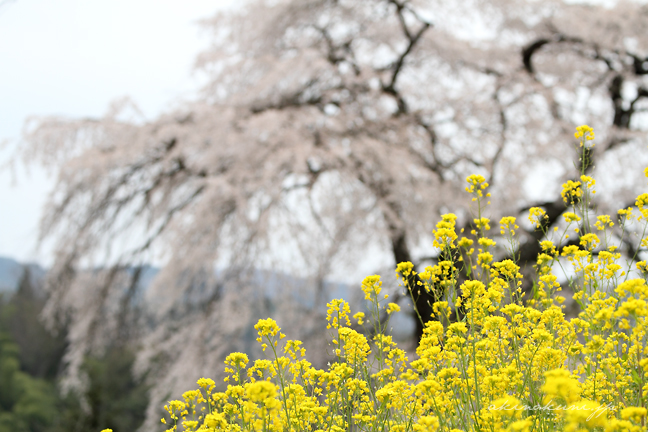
[[30, 360]]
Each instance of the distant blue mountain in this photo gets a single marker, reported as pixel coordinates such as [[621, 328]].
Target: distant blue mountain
[[12, 271]]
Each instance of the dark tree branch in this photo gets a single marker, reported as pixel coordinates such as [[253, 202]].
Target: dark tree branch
[[292, 100], [397, 66], [528, 252], [500, 149], [529, 51], [623, 116], [167, 219], [332, 51], [435, 167], [639, 64]]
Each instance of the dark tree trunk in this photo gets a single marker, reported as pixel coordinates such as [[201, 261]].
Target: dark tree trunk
[[423, 300]]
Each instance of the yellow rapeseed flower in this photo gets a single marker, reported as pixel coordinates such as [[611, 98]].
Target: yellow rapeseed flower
[[571, 217], [465, 242], [584, 133], [634, 413], [508, 406], [586, 415], [476, 184], [537, 216], [216, 421], [404, 269], [427, 424], [207, 384], [482, 223], [444, 234], [603, 221], [560, 386], [260, 391], [337, 313], [392, 307], [371, 286], [359, 317], [571, 192], [267, 327], [589, 241]]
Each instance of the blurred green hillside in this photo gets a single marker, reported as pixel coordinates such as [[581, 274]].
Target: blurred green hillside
[[31, 362]]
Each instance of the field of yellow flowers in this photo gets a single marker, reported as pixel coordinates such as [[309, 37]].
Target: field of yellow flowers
[[491, 361]]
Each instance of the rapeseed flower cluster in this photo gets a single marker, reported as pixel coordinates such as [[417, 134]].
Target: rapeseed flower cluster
[[492, 359], [584, 133], [537, 216], [571, 192], [476, 184]]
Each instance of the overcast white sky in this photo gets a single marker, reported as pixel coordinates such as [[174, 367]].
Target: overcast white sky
[[73, 57]]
